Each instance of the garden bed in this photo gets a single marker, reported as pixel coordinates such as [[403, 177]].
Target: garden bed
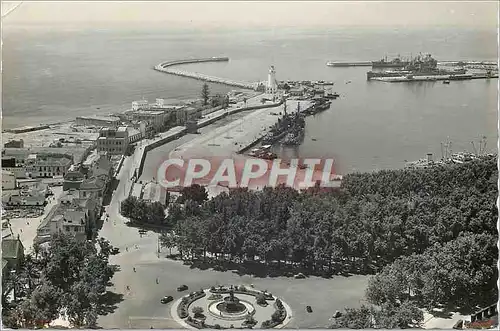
[[182, 309]]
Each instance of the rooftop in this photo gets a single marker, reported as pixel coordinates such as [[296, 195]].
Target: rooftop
[[75, 151], [11, 248], [147, 113], [53, 161], [94, 183], [101, 118]]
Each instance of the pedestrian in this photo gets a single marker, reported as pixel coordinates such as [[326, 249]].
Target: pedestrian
[[157, 281], [134, 269], [126, 248]]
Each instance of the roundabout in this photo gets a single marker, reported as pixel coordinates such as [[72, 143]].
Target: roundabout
[[231, 307]]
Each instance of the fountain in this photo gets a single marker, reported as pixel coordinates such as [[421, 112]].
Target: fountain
[[231, 305]]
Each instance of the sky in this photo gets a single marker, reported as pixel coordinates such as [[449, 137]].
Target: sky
[[258, 14]]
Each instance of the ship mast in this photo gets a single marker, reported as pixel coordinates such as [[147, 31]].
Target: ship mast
[[474, 148]]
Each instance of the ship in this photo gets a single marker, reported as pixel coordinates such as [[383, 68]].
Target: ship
[[420, 66], [330, 95], [294, 138], [289, 123], [394, 63]]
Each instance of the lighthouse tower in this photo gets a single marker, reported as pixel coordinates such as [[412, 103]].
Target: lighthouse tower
[[272, 85]]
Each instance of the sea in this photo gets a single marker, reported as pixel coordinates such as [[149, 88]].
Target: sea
[[52, 75]]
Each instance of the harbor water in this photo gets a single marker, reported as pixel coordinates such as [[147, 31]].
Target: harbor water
[[53, 76]]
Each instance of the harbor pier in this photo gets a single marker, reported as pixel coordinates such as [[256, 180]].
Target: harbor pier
[[166, 67]]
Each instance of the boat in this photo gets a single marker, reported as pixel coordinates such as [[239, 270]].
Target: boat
[[394, 63], [331, 95], [462, 157], [268, 156]]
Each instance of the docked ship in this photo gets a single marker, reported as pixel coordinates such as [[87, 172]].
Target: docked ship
[[329, 94], [294, 138], [394, 63], [264, 152], [420, 66], [289, 123]]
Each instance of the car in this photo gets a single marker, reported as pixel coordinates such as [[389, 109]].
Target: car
[[299, 276], [167, 299], [182, 288], [115, 251]]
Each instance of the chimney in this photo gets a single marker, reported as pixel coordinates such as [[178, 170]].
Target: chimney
[[429, 157]]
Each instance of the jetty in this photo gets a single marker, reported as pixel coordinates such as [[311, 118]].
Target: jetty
[[167, 67], [406, 79], [349, 64], [444, 63]]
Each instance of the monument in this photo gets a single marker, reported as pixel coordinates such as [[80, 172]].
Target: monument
[[231, 304]]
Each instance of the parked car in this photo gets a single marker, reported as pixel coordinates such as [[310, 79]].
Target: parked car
[[167, 299], [182, 288], [115, 251]]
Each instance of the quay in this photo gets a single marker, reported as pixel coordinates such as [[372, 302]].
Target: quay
[[350, 64], [445, 63], [402, 79], [166, 67]]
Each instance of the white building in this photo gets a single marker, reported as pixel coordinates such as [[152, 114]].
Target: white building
[[272, 83], [40, 165], [109, 121], [154, 118], [140, 104], [113, 141], [8, 180]]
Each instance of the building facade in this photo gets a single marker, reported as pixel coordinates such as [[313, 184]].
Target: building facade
[[100, 121], [8, 180], [38, 165], [113, 141]]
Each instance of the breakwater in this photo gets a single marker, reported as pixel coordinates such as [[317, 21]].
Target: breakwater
[[27, 129], [166, 67]]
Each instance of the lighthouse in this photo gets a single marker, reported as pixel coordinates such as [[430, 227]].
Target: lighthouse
[[272, 85]]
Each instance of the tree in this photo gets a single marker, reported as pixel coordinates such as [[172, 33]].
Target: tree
[[406, 315], [128, 206], [205, 94], [194, 192], [197, 311], [168, 240], [261, 299], [250, 320], [73, 278], [361, 318]]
